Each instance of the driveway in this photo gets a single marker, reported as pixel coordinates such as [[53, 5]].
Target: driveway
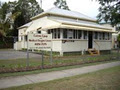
[[12, 54]]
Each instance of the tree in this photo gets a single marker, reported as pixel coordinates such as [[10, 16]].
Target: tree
[[61, 4], [16, 14], [3, 11], [109, 11], [28, 8], [3, 25], [4, 31], [118, 39], [7, 18]]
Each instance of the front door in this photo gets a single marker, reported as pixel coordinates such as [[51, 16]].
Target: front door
[[90, 39]]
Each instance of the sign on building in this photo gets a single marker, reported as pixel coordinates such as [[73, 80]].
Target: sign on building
[[39, 41]]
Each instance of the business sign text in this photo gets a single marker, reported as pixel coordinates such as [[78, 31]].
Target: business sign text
[[39, 41]]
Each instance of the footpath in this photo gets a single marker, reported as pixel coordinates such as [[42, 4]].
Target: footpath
[[47, 76]]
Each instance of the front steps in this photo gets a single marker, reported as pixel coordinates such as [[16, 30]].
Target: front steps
[[93, 52]]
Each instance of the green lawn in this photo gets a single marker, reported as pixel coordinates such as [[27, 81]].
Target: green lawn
[[49, 70], [65, 60], [16, 63], [107, 79]]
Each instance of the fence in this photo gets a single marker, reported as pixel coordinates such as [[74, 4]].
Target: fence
[[43, 60]]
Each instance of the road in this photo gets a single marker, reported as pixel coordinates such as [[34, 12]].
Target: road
[[12, 54]]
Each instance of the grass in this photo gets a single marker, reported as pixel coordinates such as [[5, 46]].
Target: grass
[[107, 79], [2, 75], [16, 63], [19, 63]]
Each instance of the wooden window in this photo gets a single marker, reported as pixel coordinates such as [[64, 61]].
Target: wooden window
[[65, 33], [70, 34], [75, 34], [106, 36], [96, 35], [49, 31], [103, 35], [85, 34], [100, 36], [25, 37], [58, 33], [55, 33], [109, 36], [39, 32], [79, 34]]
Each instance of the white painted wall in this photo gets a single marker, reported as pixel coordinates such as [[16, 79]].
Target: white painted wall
[[43, 23], [77, 45], [17, 46], [80, 45], [21, 33], [57, 45], [103, 45], [114, 40]]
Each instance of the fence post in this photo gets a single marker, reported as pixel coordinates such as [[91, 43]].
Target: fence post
[[42, 63], [117, 52], [27, 61], [51, 58], [112, 54]]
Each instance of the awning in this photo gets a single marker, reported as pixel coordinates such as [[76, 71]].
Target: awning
[[45, 24], [85, 28], [81, 26]]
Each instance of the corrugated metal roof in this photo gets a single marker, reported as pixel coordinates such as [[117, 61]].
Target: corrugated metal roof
[[46, 23], [83, 24], [41, 23], [25, 25], [67, 13]]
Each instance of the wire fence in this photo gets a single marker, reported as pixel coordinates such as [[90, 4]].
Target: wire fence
[[42, 60]]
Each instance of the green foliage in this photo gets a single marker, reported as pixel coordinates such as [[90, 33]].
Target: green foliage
[[28, 8], [109, 11], [118, 39], [17, 13], [24, 49], [61, 4]]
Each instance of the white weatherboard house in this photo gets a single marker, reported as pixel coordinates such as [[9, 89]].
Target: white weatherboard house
[[71, 31]]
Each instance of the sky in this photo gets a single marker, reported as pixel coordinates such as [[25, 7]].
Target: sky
[[87, 7]]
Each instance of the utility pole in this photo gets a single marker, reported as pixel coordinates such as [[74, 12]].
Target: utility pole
[[41, 3]]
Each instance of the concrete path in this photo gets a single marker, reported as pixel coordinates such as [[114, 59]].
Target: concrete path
[[42, 77], [12, 54]]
